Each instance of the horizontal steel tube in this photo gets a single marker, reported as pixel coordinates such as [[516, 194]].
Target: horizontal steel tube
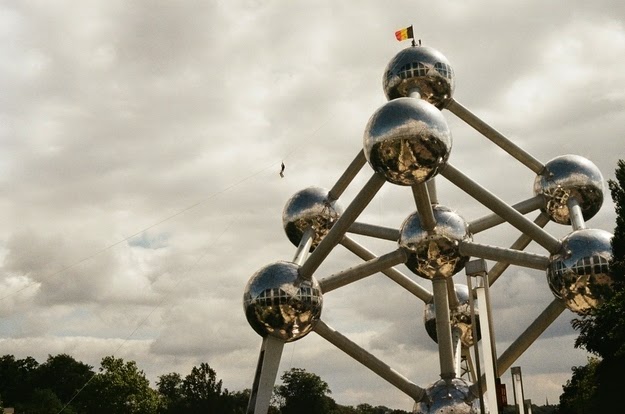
[[384, 233], [497, 138], [516, 257], [491, 220], [499, 207], [395, 275], [370, 361], [363, 270], [519, 244]]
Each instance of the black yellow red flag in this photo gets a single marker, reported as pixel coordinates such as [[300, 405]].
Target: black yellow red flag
[[404, 34]]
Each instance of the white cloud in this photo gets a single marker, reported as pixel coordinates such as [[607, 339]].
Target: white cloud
[[140, 150]]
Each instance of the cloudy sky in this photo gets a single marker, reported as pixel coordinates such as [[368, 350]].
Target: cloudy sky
[[140, 149]]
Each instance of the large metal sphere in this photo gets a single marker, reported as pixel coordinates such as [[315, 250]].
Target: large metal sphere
[[460, 317], [435, 254], [570, 176], [309, 208], [579, 273], [276, 302], [422, 69], [407, 140], [453, 397]]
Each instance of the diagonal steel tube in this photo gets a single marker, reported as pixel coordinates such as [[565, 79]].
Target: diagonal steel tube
[[350, 172], [497, 138], [519, 244], [501, 208], [369, 360], [526, 339], [339, 228], [491, 220], [363, 270], [395, 275]]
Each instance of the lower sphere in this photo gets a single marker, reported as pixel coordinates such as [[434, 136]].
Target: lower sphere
[[460, 317], [278, 303], [448, 397]]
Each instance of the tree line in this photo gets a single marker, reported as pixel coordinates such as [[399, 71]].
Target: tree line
[[596, 387], [62, 384]]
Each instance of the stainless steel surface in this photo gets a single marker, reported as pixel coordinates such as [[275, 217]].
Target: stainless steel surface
[[460, 317], [422, 70], [445, 397], [371, 230], [278, 302], [435, 253], [304, 246], [491, 220], [362, 270], [443, 329], [352, 170], [339, 228], [516, 257], [309, 208], [407, 140], [393, 274], [496, 137], [370, 361], [424, 206], [496, 205], [579, 273], [570, 176], [265, 377], [519, 244], [576, 215]]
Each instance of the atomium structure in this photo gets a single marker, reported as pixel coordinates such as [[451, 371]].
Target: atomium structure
[[407, 142]]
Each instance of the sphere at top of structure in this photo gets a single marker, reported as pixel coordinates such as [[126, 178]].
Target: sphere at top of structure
[[309, 208], [436, 253], [579, 273], [420, 69], [459, 315], [448, 397], [278, 303], [566, 177], [407, 140]]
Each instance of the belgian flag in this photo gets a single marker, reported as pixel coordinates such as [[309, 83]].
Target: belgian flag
[[404, 34]]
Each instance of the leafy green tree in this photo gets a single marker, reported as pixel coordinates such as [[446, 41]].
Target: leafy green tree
[[16, 378], [42, 401], [120, 387], [64, 376], [579, 394], [169, 387], [202, 391], [602, 332], [302, 392]]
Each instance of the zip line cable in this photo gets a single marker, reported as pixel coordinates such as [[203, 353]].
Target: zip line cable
[[157, 306]]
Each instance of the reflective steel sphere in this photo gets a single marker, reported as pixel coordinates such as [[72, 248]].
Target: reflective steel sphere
[[453, 397], [435, 254], [570, 176], [460, 317], [579, 274], [277, 303], [407, 140], [310, 207], [423, 69]]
